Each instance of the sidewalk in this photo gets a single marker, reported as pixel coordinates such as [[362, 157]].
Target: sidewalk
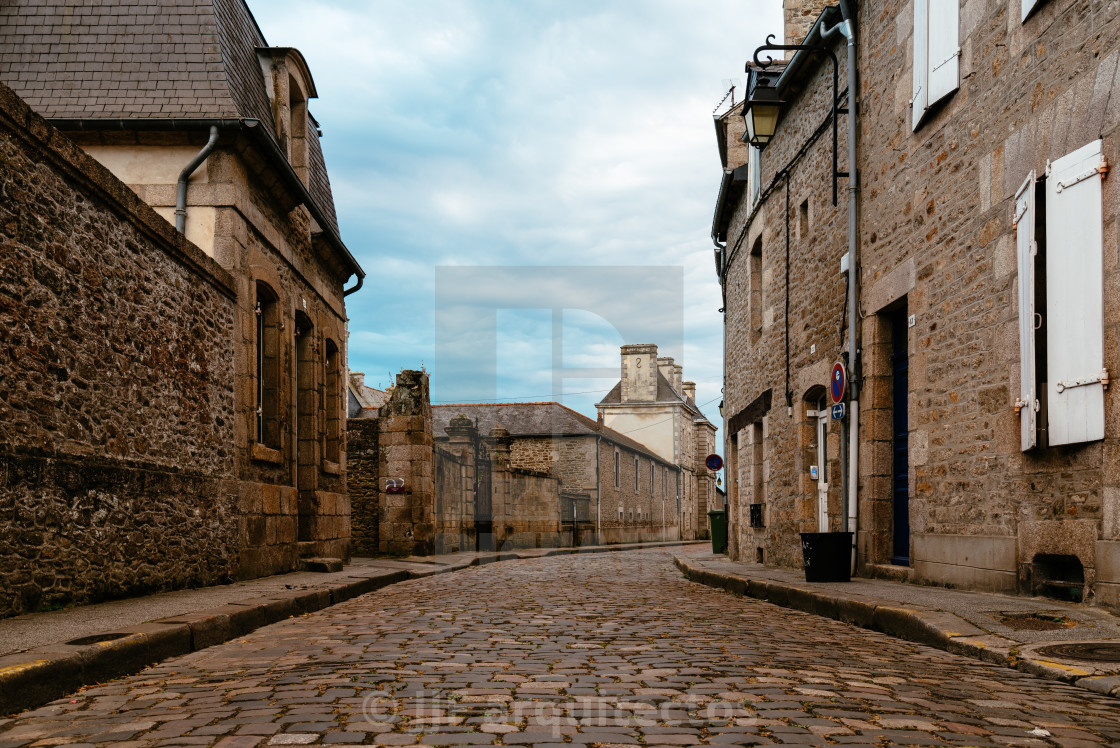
[[46, 655], [1020, 632]]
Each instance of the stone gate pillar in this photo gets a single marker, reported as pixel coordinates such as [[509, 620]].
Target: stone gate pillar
[[407, 495]]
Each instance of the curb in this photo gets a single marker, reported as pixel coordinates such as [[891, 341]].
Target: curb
[[40, 675], [935, 628]]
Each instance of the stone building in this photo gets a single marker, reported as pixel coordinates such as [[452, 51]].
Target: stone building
[[617, 489], [653, 406], [190, 107], [985, 237], [363, 401]]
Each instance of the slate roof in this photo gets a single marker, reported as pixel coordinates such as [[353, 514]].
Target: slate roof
[[532, 419], [145, 59], [665, 394]]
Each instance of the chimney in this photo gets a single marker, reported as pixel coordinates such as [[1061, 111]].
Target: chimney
[[665, 366], [690, 390], [678, 375], [357, 379], [639, 373]]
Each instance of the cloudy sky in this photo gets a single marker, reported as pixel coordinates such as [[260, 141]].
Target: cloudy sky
[[569, 143]]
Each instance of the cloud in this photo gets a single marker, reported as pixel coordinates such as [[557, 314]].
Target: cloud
[[505, 133]]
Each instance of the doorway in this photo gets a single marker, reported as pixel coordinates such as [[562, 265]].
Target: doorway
[[822, 464], [900, 436]]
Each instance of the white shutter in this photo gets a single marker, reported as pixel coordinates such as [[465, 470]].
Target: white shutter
[[921, 61], [944, 49], [1074, 297], [1027, 249], [1028, 6]]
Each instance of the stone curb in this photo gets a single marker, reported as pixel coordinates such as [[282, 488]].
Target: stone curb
[[33, 678], [917, 624]]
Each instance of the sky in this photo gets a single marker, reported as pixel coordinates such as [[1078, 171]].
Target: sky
[[528, 184]]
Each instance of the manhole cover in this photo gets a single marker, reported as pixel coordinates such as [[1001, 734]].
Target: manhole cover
[[96, 639], [1086, 651]]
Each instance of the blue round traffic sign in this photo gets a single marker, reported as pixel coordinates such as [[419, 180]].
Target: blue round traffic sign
[[838, 383], [714, 462]]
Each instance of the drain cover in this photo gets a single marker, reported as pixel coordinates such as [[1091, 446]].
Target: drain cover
[[96, 639], [1087, 651]]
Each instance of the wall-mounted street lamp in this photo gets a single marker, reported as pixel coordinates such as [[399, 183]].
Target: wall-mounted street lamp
[[763, 106]]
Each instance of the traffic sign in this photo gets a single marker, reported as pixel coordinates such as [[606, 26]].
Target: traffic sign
[[714, 462], [838, 383], [838, 412]]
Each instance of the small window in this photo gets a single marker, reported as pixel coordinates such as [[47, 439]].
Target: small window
[[617, 471], [635, 473], [803, 220], [268, 367], [620, 514], [332, 402], [651, 477]]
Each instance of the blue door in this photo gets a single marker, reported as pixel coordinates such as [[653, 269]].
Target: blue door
[[900, 365]]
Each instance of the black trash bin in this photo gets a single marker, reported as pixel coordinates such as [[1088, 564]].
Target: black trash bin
[[828, 556], [717, 519]]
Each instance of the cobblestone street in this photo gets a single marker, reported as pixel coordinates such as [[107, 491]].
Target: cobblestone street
[[607, 649]]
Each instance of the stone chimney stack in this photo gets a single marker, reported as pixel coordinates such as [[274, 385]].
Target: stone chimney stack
[[690, 390], [639, 373], [800, 15], [665, 366], [678, 375], [358, 379]]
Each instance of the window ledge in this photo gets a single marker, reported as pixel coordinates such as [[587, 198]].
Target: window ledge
[[261, 453], [332, 468]]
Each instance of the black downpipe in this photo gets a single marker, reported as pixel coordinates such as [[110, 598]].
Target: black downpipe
[[789, 394]]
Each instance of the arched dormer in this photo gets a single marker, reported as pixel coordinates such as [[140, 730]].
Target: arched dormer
[[289, 85]]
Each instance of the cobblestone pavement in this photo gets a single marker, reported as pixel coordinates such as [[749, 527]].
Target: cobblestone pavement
[[613, 649]]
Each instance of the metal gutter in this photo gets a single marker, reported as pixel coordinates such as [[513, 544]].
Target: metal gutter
[[262, 138], [828, 17]]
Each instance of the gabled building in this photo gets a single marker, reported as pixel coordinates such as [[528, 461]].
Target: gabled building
[[980, 451], [652, 405], [618, 489], [210, 125]]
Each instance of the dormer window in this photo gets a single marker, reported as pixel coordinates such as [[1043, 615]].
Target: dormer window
[[289, 85]]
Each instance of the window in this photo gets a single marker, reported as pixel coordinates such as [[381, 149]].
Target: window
[[803, 221], [268, 367], [936, 54], [651, 477], [332, 403], [754, 186], [617, 472], [1061, 296], [754, 302], [635, 473]]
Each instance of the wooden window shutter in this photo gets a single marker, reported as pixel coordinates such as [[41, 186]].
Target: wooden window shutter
[[936, 54], [1027, 250], [944, 49], [921, 65], [1074, 297]]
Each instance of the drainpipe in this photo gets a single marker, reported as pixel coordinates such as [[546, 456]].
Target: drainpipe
[[185, 174], [851, 515], [598, 492]]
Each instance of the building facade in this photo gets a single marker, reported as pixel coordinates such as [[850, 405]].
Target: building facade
[[985, 242], [652, 405], [210, 126], [614, 488]]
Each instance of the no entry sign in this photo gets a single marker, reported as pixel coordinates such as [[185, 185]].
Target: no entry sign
[[838, 383]]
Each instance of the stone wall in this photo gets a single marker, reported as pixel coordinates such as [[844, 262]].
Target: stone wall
[[117, 468], [362, 450]]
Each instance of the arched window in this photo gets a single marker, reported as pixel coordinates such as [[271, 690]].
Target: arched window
[[332, 402], [268, 367]]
